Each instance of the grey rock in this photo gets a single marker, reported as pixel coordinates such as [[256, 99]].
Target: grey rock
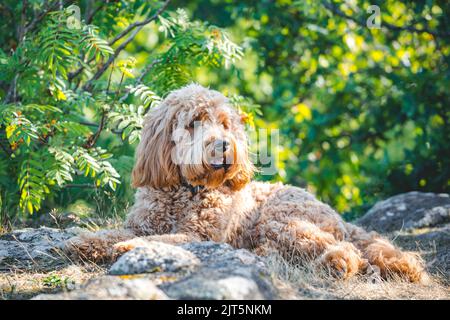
[[209, 287], [111, 288], [406, 211], [154, 257], [33, 248], [212, 252], [225, 273], [200, 270], [204, 270]]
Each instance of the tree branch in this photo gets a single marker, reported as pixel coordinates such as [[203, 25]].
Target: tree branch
[[136, 30], [331, 7], [11, 95], [138, 24], [81, 185], [23, 17], [6, 149], [141, 77], [93, 139], [41, 16]]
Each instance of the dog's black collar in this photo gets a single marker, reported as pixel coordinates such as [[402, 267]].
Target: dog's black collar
[[194, 190]]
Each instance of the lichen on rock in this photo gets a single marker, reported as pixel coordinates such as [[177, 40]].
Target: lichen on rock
[[154, 257], [35, 249]]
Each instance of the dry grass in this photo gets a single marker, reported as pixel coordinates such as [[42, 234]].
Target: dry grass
[[21, 284], [307, 282]]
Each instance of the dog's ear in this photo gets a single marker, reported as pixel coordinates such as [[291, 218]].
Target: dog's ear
[[154, 166]]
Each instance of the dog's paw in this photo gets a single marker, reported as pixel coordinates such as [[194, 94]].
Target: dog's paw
[[336, 267], [85, 249], [342, 261], [73, 246], [125, 246]]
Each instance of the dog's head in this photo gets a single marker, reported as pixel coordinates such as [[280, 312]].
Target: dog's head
[[194, 136]]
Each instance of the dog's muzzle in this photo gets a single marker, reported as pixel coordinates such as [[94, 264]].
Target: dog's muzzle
[[220, 160]]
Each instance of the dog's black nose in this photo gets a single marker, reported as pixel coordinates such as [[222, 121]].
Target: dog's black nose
[[221, 145]]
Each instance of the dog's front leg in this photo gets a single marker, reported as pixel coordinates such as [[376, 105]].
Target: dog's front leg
[[97, 246], [175, 238]]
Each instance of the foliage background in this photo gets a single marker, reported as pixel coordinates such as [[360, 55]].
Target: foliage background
[[363, 113]]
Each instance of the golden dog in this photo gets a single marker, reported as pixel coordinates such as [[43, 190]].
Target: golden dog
[[195, 187]]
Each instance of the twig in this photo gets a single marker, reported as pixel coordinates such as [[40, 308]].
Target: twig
[[147, 70], [91, 15], [23, 17], [141, 77], [120, 86], [386, 25], [92, 124], [93, 139], [81, 185], [89, 124], [25, 249], [123, 98], [138, 24], [7, 150], [11, 95], [120, 36], [109, 79], [41, 16]]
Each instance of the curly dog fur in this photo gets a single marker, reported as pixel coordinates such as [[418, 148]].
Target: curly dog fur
[[229, 207]]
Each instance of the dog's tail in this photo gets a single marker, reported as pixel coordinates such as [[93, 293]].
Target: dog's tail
[[389, 259], [97, 246]]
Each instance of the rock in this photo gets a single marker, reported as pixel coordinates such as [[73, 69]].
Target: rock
[[200, 270], [417, 221], [211, 253], [154, 257], [225, 273], [111, 288], [33, 248], [209, 287], [405, 211]]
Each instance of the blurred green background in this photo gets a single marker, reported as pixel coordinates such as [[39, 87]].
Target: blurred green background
[[363, 113]]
